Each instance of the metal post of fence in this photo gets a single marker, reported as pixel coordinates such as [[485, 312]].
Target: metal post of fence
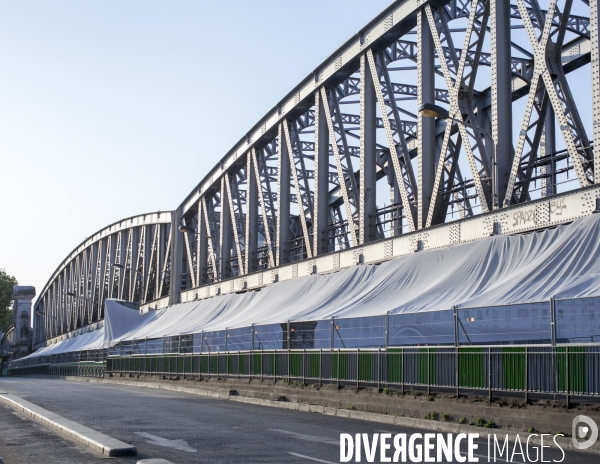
[[402, 369], [288, 366], [526, 378], [490, 375], [357, 367], [332, 333], [456, 371], [338, 364], [179, 344], [238, 366], [379, 368], [455, 313], [261, 365], [320, 367], [387, 329], [554, 360], [252, 337], [428, 372], [225, 338], [553, 320], [289, 338], [304, 367], [567, 376]]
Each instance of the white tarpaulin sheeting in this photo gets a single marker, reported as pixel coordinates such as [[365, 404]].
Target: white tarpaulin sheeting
[[118, 320], [561, 262], [86, 341]]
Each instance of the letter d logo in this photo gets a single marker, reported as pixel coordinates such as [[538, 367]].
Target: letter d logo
[[581, 431]]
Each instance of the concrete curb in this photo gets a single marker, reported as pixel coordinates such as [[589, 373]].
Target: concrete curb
[[69, 429], [434, 425]]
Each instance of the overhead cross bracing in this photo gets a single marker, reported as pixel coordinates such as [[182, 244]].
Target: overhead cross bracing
[[346, 159], [345, 170]]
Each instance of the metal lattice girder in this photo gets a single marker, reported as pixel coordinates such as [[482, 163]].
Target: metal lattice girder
[[303, 207], [210, 228], [501, 91], [595, 65], [190, 270], [460, 84], [283, 202], [251, 228], [262, 203], [426, 126], [348, 186], [321, 176], [237, 233], [548, 86], [401, 161], [268, 174], [225, 231], [368, 159]]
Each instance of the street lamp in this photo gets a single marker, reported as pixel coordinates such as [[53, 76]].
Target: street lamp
[[430, 110]]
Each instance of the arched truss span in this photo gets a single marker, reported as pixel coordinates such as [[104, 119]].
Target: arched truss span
[[74, 296], [345, 159], [344, 169]]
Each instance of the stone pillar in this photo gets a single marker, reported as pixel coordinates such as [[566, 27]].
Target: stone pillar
[[23, 331]]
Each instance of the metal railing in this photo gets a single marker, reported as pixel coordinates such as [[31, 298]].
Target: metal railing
[[559, 372], [78, 369]]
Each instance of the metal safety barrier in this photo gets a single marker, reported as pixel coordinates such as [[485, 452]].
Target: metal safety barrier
[[561, 372], [80, 369]]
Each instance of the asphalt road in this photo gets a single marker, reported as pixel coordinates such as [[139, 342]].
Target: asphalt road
[[23, 441], [184, 428]]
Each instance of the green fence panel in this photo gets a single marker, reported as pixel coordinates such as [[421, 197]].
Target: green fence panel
[[426, 366], [470, 368], [514, 368], [213, 364], [230, 364], [394, 365], [295, 364], [242, 368], [571, 371], [257, 363], [340, 365], [365, 367], [314, 365], [203, 364]]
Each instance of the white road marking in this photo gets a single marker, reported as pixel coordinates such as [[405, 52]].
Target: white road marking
[[181, 445], [309, 458], [312, 438]]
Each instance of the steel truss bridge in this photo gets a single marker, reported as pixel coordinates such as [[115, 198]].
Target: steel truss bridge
[[344, 170]]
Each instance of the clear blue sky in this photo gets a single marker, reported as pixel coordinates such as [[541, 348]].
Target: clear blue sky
[[112, 108]]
